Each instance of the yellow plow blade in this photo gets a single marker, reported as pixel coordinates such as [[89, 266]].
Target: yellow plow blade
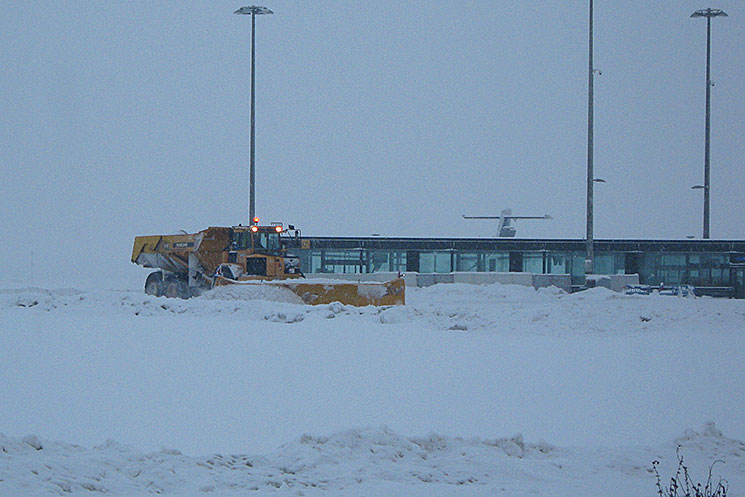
[[358, 294]]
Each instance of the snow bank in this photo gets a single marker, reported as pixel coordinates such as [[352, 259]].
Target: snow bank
[[458, 307], [711, 441], [368, 461], [272, 293]]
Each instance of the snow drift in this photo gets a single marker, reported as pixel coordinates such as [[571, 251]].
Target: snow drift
[[358, 462]]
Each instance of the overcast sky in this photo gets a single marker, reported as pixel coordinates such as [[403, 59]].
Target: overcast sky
[[126, 118]]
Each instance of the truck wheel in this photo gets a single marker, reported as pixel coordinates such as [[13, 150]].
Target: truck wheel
[[154, 284], [172, 289], [176, 289]]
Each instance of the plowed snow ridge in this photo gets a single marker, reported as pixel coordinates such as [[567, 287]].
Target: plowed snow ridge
[[457, 307], [362, 462]]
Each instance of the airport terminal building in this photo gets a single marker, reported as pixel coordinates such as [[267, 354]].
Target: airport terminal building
[[713, 266]]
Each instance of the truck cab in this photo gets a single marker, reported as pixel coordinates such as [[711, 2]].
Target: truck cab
[[257, 251]]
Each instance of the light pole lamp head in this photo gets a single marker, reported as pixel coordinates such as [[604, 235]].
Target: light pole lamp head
[[709, 13], [253, 9]]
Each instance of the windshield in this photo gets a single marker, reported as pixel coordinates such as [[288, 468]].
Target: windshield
[[266, 241], [262, 241]]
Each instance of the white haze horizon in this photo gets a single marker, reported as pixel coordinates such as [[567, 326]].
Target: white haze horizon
[[126, 119]]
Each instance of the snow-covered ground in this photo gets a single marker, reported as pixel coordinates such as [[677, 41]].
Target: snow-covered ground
[[467, 390]]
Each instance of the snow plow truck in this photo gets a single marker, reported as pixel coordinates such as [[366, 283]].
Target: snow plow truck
[[190, 263]]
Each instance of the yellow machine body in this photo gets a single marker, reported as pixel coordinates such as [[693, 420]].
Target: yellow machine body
[[189, 264]]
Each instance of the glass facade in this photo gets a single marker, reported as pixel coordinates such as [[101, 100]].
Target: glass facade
[[686, 269], [436, 262], [497, 262], [387, 261], [446, 261], [656, 262], [352, 261], [533, 262], [609, 263]]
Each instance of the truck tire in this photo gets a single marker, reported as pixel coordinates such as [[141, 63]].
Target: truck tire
[[154, 284], [171, 289], [176, 289]]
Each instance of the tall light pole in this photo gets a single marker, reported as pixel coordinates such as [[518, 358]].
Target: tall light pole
[[254, 11], [590, 256], [708, 14]]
